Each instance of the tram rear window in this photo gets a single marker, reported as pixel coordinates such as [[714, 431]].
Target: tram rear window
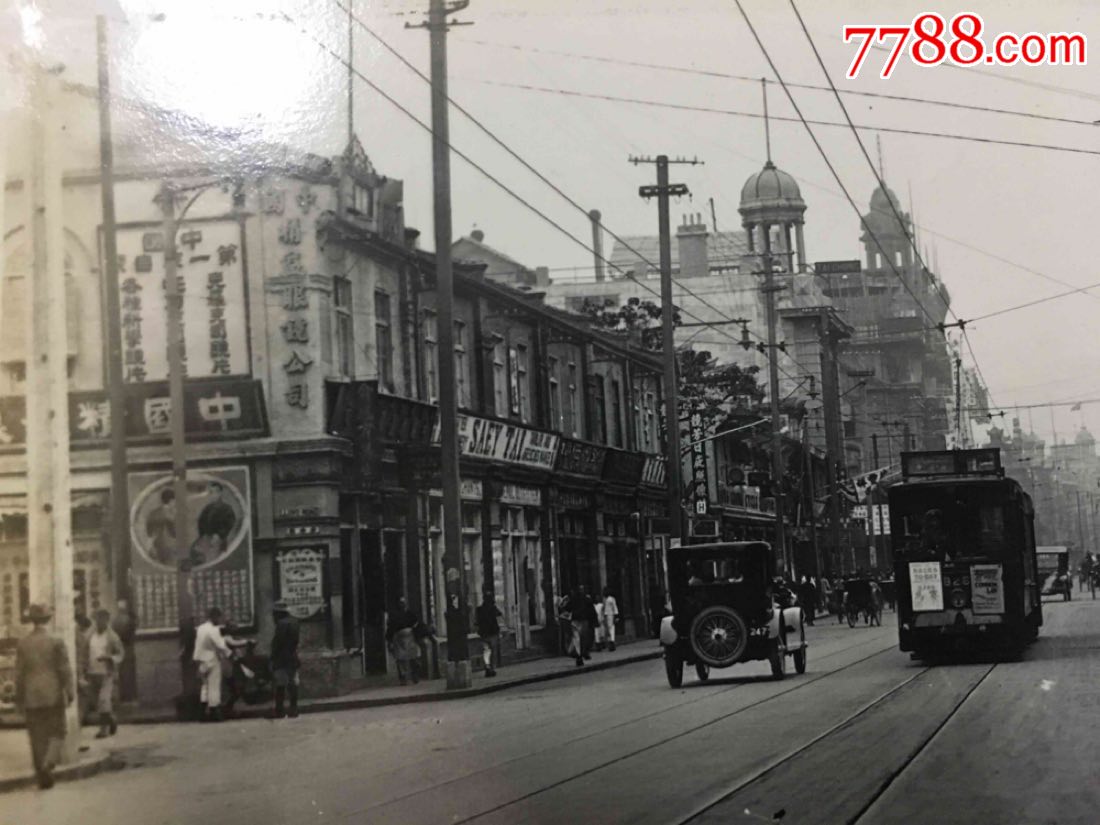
[[956, 524]]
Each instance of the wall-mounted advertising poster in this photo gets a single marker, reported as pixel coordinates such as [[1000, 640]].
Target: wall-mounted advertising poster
[[302, 580], [987, 591], [217, 548], [926, 585]]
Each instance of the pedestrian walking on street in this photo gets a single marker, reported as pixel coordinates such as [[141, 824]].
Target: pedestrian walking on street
[[608, 617], [403, 637], [808, 595], [43, 689], [104, 655], [582, 617], [284, 660], [488, 628], [210, 650], [597, 627], [124, 624]]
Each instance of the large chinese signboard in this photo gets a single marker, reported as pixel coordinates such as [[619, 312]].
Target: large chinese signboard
[[222, 408], [212, 283], [217, 546], [503, 441]]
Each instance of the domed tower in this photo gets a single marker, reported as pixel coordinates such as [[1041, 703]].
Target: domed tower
[[771, 210], [886, 223]]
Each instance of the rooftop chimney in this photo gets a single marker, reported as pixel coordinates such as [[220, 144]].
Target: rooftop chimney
[[597, 243], [692, 240], [478, 235]]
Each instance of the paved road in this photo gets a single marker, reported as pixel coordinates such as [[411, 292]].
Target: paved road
[[864, 736]]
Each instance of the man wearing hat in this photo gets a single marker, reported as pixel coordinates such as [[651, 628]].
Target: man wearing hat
[[284, 659], [43, 688]]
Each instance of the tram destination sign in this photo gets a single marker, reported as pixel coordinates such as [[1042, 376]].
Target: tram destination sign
[[983, 462]]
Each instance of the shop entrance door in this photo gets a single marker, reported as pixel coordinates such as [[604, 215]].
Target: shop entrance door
[[374, 602], [518, 606]]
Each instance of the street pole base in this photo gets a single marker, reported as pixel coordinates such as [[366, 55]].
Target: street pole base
[[459, 675]]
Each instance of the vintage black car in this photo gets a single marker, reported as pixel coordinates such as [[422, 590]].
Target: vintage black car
[[725, 611]]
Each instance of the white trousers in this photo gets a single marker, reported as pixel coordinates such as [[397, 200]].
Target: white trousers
[[210, 675], [609, 628]]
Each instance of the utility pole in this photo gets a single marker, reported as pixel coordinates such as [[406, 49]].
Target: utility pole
[[770, 288], [958, 403], [173, 299], [597, 243], [809, 470], [49, 499], [830, 391], [116, 393], [458, 656], [663, 191]]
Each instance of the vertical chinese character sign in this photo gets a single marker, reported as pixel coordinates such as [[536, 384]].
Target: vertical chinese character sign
[[699, 487], [217, 548], [212, 283]]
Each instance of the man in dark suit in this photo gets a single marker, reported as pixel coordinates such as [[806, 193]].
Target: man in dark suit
[[284, 659], [43, 688]]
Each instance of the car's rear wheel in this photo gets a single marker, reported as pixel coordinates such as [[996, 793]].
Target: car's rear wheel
[[777, 657], [702, 671], [799, 655], [719, 636], [674, 667]]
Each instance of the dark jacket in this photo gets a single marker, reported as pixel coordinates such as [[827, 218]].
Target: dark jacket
[[581, 607], [487, 624], [43, 677], [284, 645], [402, 619]]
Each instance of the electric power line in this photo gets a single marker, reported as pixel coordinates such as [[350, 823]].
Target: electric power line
[[496, 139], [810, 86], [660, 104], [496, 181]]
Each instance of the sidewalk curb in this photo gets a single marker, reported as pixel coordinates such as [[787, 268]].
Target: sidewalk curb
[[419, 698], [81, 769]]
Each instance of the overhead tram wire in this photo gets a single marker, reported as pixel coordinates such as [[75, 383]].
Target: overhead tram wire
[[516, 156], [836, 175], [684, 107], [504, 187], [809, 86]]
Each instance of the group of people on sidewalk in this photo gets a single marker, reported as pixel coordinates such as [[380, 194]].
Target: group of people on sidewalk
[[213, 650], [590, 624], [405, 633], [45, 687]]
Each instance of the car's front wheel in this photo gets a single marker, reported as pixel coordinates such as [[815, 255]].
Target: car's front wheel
[[674, 667]]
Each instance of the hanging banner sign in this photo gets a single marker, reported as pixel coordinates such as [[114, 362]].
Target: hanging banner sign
[[926, 585], [502, 441], [301, 580], [987, 592]]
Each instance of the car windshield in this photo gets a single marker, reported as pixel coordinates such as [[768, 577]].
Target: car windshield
[[1052, 563], [948, 522]]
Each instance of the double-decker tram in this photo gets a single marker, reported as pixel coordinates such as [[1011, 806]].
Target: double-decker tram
[[964, 555]]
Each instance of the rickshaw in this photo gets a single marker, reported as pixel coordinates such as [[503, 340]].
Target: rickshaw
[[862, 597]]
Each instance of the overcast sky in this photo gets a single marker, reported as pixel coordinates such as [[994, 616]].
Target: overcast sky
[[990, 212]]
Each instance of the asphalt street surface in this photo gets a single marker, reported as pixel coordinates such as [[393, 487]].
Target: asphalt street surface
[[866, 736]]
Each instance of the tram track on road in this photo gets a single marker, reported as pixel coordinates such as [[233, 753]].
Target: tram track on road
[[699, 814], [795, 686]]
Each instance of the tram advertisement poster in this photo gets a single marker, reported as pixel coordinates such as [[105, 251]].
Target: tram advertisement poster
[[987, 592], [216, 549], [926, 585]]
